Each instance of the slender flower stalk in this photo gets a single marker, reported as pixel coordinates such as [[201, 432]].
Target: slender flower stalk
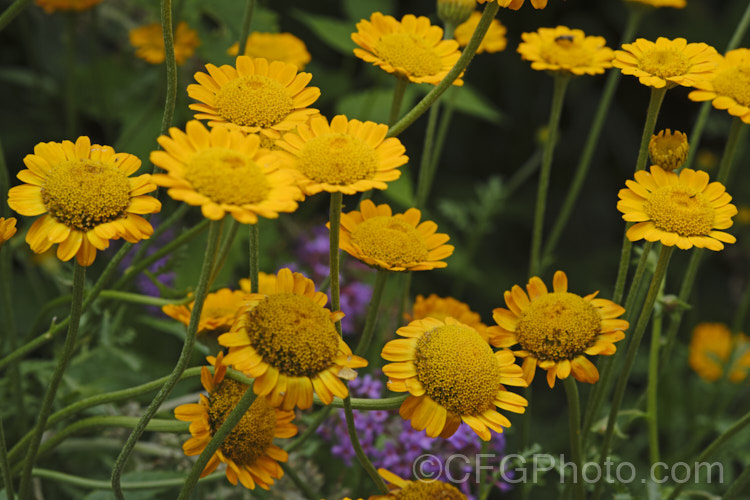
[[335, 253], [171, 64], [12, 11], [398, 98], [652, 391], [254, 257], [94, 484], [247, 20], [361, 456], [372, 312], [574, 422], [7, 477], [738, 486]]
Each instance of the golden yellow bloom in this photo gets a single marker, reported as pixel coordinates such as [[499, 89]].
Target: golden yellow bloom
[[347, 156], [283, 47], [254, 97], [266, 283], [667, 63], [411, 48], [729, 86], [448, 307], [393, 242], [516, 4], [420, 489], [668, 150], [565, 50], [287, 342], [683, 210], [712, 346], [7, 229], [87, 197], [224, 171], [677, 4], [248, 451], [493, 41], [556, 329], [431, 365], [219, 311], [50, 6], [149, 42]]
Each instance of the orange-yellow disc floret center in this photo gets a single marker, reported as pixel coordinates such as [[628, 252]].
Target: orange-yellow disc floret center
[[337, 159], [410, 53], [457, 368], [664, 63], [558, 326], [226, 176], [676, 209], [293, 334], [734, 82], [566, 52], [253, 435], [390, 240], [85, 193], [254, 101], [429, 490]]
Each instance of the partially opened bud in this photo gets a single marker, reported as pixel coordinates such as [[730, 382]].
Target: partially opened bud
[[668, 150]]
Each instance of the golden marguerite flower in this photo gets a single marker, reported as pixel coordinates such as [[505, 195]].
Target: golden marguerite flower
[[7, 229], [445, 307], [347, 156], [668, 150], [255, 96], [430, 363], [86, 196], [565, 50], [516, 4], [729, 86], [225, 171], [283, 47], [287, 341], [393, 242], [493, 41], [556, 329], [683, 210], [266, 283], [677, 4], [666, 63], [148, 41], [50, 6], [248, 451], [219, 310], [411, 48], [419, 489], [711, 348]]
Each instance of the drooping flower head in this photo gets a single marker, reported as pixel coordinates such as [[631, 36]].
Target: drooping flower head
[[224, 171], [148, 41], [431, 364], [288, 342], [729, 86], [711, 349], [683, 210], [86, 196], [248, 450], [393, 242], [255, 96], [401, 488], [50, 6], [565, 50], [677, 4], [666, 63], [7, 229], [283, 47], [219, 311], [555, 330], [347, 156], [494, 40], [445, 307], [516, 4], [668, 150], [411, 48]]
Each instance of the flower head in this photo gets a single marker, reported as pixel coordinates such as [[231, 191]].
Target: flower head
[[86, 196], [411, 48], [7, 229], [248, 451], [347, 156], [565, 50], [219, 311], [420, 489], [393, 242], [288, 342], [493, 41], [729, 85], [683, 210], [711, 348], [677, 4], [255, 96], [668, 150], [445, 307], [50, 6], [666, 63], [149, 42], [224, 171], [516, 4], [555, 330], [430, 364], [283, 47]]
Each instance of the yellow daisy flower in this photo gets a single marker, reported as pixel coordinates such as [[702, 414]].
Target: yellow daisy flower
[[287, 342], [677, 4], [347, 156], [431, 365], [283, 47], [712, 346], [516, 4], [683, 210], [420, 489], [255, 96], [7, 229], [219, 310], [445, 307], [248, 451], [266, 283], [411, 48], [729, 85], [666, 63], [148, 42], [565, 50], [668, 150], [224, 171], [50, 6], [87, 197], [393, 242], [493, 41], [556, 329]]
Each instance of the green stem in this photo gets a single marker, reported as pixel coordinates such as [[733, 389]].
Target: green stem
[[226, 246], [739, 485], [76, 307], [136, 298], [736, 133], [174, 217], [427, 162], [7, 477], [171, 64], [367, 404], [652, 392], [574, 428], [187, 349], [398, 98], [247, 20], [558, 97], [361, 456], [93, 484], [307, 492], [334, 253], [320, 417], [739, 318], [254, 257], [372, 312], [11, 12], [484, 487]]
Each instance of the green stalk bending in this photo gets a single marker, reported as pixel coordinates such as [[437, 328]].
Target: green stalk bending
[[171, 64], [361, 456], [739, 485], [574, 424], [94, 484], [12, 11]]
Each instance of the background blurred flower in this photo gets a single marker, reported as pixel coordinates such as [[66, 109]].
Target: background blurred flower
[[283, 47], [7, 229], [565, 50], [149, 42], [494, 40], [53, 5], [711, 348]]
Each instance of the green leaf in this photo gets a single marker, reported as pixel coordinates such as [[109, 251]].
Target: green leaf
[[334, 32], [468, 101], [374, 105]]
